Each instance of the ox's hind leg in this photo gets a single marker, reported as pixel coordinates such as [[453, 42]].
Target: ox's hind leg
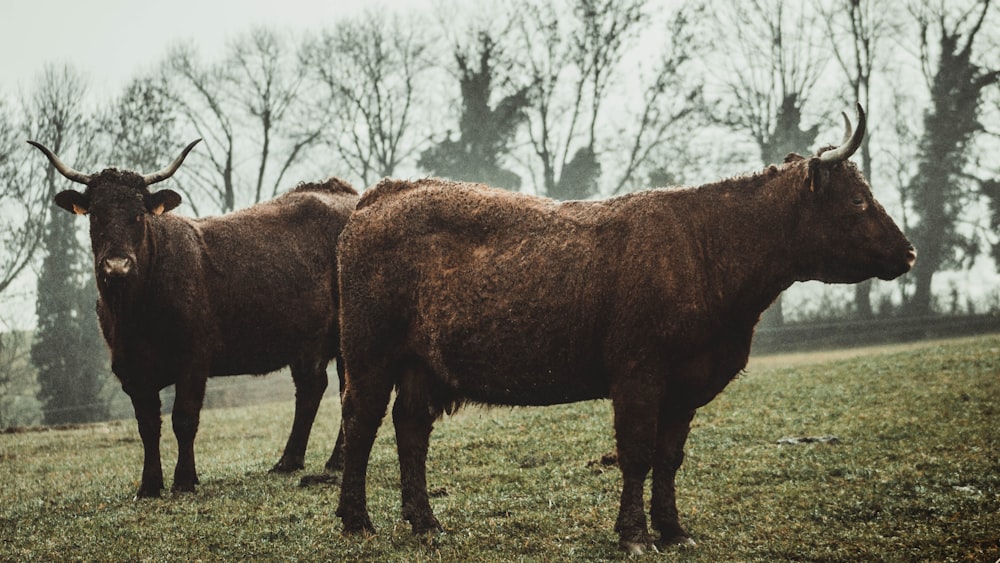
[[365, 400], [310, 380], [336, 462], [413, 416], [636, 407], [147, 415], [671, 434]]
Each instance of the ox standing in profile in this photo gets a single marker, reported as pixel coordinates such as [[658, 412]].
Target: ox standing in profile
[[184, 299], [458, 292]]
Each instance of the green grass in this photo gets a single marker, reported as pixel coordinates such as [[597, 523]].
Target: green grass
[[915, 476]]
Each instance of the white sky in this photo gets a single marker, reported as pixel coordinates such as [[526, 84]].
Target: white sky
[[110, 41]]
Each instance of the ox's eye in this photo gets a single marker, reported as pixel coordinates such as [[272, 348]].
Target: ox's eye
[[858, 200]]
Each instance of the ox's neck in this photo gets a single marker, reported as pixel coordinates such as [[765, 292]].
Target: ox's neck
[[741, 230]]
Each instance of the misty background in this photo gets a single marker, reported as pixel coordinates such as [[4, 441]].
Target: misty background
[[572, 99]]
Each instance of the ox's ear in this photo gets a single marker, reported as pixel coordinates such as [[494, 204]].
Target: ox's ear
[[818, 176], [162, 201], [73, 201]]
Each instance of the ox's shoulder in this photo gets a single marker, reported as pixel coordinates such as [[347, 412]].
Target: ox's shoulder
[[444, 191], [389, 189], [332, 185]]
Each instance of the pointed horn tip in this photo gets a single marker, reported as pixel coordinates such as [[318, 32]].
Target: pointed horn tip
[[167, 172], [851, 142], [848, 128], [190, 146], [66, 171]]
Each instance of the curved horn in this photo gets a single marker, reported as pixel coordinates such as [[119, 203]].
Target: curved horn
[[167, 172], [66, 171], [847, 148], [848, 128]]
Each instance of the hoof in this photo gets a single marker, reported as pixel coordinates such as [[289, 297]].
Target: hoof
[[286, 466], [423, 526], [634, 547], [636, 543], [182, 488], [147, 493]]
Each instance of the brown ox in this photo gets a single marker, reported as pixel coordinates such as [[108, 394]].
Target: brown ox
[[459, 292], [185, 299]]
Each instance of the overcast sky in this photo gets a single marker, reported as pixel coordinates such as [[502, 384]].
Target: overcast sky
[[110, 41]]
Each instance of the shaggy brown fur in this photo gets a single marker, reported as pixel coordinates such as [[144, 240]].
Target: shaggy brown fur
[[185, 299], [458, 292]]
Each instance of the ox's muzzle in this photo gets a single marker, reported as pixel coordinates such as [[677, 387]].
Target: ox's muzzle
[[117, 267], [900, 265]]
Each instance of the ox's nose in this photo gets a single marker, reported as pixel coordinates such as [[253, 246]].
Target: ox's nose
[[116, 267], [911, 256]]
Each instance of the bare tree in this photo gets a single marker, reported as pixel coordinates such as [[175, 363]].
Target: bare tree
[[249, 108], [672, 104], [22, 201], [201, 93], [368, 69], [604, 30], [767, 63], [67, 348], [268, 86], [139, 128], [23, 211], [859, 32], [571, 64]]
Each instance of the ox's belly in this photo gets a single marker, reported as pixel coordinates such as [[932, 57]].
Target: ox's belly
[[515, 367]]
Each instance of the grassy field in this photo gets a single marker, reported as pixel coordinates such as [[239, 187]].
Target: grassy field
[[913, 476]]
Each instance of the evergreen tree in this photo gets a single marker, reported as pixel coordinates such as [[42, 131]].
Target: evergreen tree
[[938, 189], [579, 176], [484, 131], [67, 349]]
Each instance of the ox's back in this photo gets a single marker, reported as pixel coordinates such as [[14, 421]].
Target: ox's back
[[516, 296], [263, 280]]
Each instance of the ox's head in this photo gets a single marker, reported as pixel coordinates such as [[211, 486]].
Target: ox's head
[[118, 203], [844, 234]]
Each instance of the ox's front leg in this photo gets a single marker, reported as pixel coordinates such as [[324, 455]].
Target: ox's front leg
[[186, 414], [147, 415], [671, 435], [636, 408]]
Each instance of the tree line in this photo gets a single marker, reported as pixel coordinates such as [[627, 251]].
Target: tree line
[[565, 98]]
